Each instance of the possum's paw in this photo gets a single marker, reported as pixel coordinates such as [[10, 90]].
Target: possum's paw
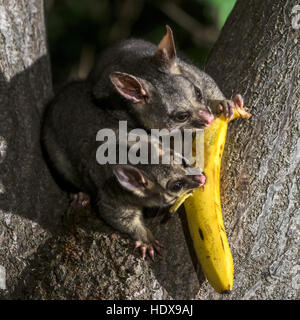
[[145, 248], [227, 107], [80, 200], [146, 243]]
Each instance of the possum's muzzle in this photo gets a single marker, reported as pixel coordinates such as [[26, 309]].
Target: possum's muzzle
[[205, 117]]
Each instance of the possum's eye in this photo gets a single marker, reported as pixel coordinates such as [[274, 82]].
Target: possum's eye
[[176, 186], [198, 93], [182, 116]]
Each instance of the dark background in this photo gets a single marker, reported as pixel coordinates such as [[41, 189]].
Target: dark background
[[79, 30]]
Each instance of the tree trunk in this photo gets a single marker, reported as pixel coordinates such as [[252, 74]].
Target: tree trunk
[[30, 201], [258, 56], [50, 250]]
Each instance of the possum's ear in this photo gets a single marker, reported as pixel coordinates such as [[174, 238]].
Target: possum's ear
[[131, 178], [166, 52], [129, 86]]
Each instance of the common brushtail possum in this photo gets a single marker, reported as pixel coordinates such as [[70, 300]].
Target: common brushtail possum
[[119, 192], [157, 87], [149, 87]]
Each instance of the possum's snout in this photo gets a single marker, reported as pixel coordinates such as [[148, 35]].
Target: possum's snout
[[201, 179], [206, 117]]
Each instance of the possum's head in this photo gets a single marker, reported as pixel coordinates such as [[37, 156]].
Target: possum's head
[[159, 185], [165, 92]]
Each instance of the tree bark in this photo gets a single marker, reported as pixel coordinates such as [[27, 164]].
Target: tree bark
[[258, 56], [49, 250], [30, 201]]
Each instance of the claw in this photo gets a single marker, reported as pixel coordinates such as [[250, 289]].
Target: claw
[[137, 245], [148, 248], [143, 251], [231, 109], [151, 253], [227, 107], [80, 200], [238, 100]]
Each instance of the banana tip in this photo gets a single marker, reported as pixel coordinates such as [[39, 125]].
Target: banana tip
[[242, 112]]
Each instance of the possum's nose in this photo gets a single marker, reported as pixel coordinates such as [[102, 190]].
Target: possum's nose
[[207, 117], [200, 178]]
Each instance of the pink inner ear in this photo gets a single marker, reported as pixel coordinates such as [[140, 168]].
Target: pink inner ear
[[166, 49], [130, 178], [129, 94], [129, 186], [128, 86]]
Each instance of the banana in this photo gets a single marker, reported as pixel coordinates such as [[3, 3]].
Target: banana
[[203, 208], [180, 201]]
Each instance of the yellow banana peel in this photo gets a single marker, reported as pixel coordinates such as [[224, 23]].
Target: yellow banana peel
[[203, 209]]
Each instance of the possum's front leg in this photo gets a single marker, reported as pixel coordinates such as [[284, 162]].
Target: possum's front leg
[[150, 244], [129, 220]]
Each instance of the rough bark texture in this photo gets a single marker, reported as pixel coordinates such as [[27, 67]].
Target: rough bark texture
[[49, 250], [30, 202], [258, 55]]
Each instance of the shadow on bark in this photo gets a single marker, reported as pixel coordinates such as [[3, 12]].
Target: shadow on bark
[[51, 251], [28, 189]]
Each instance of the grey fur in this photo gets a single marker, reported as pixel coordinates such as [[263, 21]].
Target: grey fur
[[69, 131], [170, 87], [147, 86]]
